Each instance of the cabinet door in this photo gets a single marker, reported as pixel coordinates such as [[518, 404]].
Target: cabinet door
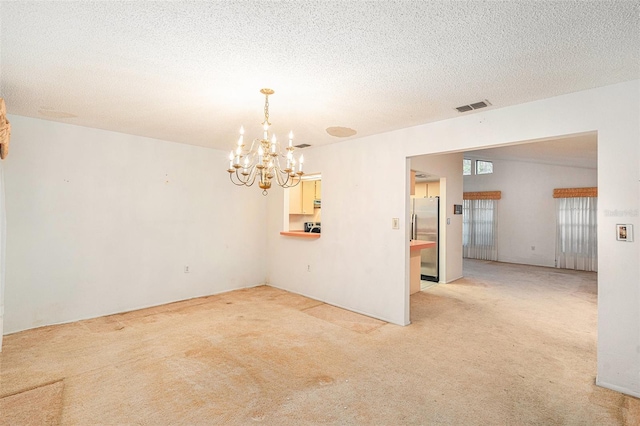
[[308, 194], [421, 190], [434, 189], [295, 199], [318, 190]]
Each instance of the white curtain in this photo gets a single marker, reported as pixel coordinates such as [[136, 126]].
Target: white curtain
[[480, 229], [577, 233]]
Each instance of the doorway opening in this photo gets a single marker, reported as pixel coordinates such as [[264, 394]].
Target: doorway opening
[[526, 173]]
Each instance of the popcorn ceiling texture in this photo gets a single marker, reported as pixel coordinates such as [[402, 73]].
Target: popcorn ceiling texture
[[191, 72]]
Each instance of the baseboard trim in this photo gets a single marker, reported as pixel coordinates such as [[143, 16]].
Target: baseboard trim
[[339, 306], [616, 388]]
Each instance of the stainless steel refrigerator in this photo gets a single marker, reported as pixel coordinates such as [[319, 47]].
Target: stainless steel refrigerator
[[425, 226]]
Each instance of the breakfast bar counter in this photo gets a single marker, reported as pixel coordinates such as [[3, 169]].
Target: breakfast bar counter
[[300, 234], [414, 272]]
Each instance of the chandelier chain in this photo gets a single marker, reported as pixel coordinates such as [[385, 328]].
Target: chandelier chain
[[266, 110]]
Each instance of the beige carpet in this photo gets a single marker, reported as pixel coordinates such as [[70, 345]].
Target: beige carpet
[[38, 406], [343, 318], [507, 345]]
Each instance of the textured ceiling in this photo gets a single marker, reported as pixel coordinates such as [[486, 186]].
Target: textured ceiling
[[191, 72]]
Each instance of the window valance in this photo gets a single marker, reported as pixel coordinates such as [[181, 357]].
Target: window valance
[[482, 195], [575, 192]]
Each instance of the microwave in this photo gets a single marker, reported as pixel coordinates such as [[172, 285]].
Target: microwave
[[316, 204]]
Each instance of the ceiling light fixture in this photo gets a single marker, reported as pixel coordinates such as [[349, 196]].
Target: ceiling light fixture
[[261, 161]]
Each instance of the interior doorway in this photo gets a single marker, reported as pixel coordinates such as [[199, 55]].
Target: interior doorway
[[526, 173]]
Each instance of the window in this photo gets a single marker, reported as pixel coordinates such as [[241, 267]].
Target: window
[[577, 233], [466, 167], [484, 167], [480, 229]]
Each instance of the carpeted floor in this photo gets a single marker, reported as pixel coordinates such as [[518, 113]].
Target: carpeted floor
[[38, 406], [507, 345]]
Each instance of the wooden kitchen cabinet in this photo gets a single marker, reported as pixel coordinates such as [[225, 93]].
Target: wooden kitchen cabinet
[[318, 190], [421, 190], [301, 197]]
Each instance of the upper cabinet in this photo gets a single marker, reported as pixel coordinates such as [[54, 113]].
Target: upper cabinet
[[421, 190], [301, 197], [318, 189]]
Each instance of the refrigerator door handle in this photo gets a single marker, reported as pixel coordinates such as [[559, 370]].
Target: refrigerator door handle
[[414, 230]]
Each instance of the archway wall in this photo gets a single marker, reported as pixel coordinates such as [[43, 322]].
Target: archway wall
[[361, 263]]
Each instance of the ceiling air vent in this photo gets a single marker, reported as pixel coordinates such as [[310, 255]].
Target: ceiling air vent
[[478, 105], [470, 107], [302, 145], [464, 108]]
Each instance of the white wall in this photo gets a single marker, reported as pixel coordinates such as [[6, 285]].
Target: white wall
[[101, 222], [527, 210], [359, 260], [3, 233], [361, 263]]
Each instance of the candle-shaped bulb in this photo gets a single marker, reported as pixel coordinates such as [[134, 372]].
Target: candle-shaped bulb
[[246, 162], [241, 130], [240, 141], [273, 144], [238, 150], [300, 163], [260, 151], [301, 158], [231, 155]]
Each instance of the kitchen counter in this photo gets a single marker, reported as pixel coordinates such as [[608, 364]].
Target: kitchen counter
[[414, 273], [300, 234], [417, 245]]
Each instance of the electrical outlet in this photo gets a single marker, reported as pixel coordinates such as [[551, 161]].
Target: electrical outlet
[[395, 223], [448, 221], [533, 248], [186, 269]]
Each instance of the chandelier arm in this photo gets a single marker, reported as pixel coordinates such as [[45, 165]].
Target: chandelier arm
[[288, 182], [243, 181], [252, 177], [233, 182]]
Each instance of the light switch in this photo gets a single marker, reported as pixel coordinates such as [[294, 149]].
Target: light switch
[[395, 223], [448, 221]]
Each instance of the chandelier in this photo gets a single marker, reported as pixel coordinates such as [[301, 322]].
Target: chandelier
[[263, 161]]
